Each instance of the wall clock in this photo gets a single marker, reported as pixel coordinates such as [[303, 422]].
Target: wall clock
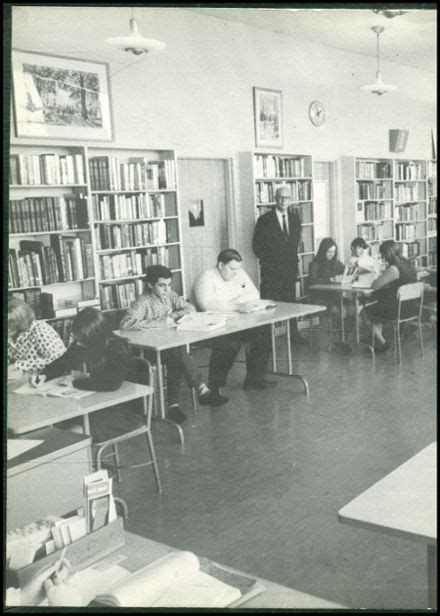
[[317, 113]]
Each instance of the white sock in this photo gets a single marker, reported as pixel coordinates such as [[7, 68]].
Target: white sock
[[203, 388]]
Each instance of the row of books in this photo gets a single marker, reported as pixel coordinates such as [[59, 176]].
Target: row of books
[[36, 264], [432, 187], [51, 168], [378, 190], [432, 224], [138, 173], [375, 210], [432, 243], [366, 169], [32, 297], [121, 295], [371, 232], [299, 191], [130, 235], [404, 193], [410, 211], [39, 214], [409, 171], [268, 166], [306, 243], [432, 205], [133, 263], [410, 250], [406, 231], [128, 207]]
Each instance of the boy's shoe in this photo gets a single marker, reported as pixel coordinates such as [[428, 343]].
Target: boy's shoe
[[212, 397], [381, 348], [176, 414]]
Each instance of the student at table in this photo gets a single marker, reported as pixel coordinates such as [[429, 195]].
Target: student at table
[[323, 270], [32, 344], [360, 257], [108, 360], [227, 288], [400, 271], [160, 306]]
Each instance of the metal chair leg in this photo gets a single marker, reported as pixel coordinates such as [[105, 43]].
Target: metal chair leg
[[117, 462], [399, 349], [419, 322], [153, 458]]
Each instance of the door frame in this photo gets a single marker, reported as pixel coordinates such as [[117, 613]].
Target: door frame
[[231, 215]]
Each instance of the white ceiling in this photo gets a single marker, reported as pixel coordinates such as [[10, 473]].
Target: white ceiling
[[409, 39]]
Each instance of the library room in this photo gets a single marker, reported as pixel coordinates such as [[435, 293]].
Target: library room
[[221, 231]]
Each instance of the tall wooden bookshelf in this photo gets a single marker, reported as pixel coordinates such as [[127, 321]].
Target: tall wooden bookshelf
[[432, 212], [367, 201], [271, 170], [411, 209], [135, 220], [51, 244], [388, 199], [84, 223]]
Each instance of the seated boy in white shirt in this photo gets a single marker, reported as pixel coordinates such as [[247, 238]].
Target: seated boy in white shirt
[[227, 288]]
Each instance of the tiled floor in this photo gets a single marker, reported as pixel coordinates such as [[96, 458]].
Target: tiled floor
[[261, 479]]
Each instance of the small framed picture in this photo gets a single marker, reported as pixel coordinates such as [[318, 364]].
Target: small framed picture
[[196, 214], [60, 98], [268, 118]]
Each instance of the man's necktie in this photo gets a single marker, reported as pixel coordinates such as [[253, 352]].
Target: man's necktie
[[285, 229]]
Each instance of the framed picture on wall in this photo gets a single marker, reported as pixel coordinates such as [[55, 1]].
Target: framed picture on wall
[[60, 98], [268, 118]]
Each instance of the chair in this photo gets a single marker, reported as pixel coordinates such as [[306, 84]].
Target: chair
[[406, 293], [141, 372]]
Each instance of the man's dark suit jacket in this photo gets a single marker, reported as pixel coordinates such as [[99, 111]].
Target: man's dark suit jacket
[[278, 255]]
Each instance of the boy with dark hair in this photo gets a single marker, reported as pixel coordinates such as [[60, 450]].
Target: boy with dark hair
[[161, 307]]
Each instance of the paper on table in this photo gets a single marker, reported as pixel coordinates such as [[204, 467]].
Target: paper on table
[[17, 446], [172, 581]]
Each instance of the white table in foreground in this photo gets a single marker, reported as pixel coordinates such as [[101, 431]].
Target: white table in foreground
[[161, 339], [403, 504], [30, 412], [141, 552]]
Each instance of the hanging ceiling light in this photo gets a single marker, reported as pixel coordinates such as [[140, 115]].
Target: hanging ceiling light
[[134, 42], [390, 13], [378, 87]]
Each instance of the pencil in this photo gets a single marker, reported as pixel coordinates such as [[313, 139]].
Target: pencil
[[60, 562]]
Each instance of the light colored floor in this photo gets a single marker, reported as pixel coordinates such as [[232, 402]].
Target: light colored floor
[[261, 479]]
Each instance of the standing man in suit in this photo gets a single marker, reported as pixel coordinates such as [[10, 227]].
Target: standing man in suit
[[276, 240]]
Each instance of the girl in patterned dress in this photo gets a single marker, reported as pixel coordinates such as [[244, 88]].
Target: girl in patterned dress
[[32, 344]]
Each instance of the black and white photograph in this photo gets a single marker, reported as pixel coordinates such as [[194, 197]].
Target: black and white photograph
[[221, 234]]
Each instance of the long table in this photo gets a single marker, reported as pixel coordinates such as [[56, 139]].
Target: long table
[[157, 340], [403, 504], [139, 552], [30, 412]]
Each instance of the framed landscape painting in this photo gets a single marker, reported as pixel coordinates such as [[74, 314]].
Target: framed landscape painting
[[60, 98], [268, 118]]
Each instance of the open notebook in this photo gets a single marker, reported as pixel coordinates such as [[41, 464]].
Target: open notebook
[[180, 579], [60, 387], [364, 281]]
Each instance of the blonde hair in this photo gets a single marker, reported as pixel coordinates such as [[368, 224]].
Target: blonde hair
[[20, 315]]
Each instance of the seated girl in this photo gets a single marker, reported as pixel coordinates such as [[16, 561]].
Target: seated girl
[[109, 363], [322, 270], [360, 257], [32, 344], [400, 271]]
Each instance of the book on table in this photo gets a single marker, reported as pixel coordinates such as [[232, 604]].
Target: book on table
[[60, 387], [180, 579]]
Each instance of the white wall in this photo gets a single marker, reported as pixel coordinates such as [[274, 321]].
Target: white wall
[[196, 95]]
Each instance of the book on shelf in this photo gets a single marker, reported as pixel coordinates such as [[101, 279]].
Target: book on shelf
[[32, 297], [180, 579], [48, 168]]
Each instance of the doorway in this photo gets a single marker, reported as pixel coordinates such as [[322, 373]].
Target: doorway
[[205, 203], [324, 201]]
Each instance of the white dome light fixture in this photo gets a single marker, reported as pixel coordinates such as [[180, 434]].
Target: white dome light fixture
[[134, 42], [378, 87]]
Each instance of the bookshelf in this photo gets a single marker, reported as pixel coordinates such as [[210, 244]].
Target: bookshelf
[[367, 201], [134, 212], [432, 212], [85, 222], [51, 246], [270, 170], [411, 209]]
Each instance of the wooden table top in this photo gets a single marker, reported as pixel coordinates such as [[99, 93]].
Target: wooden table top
[[403, 503], [159, 339]]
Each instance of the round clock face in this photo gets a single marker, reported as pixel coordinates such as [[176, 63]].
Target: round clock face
[[317, 113]]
